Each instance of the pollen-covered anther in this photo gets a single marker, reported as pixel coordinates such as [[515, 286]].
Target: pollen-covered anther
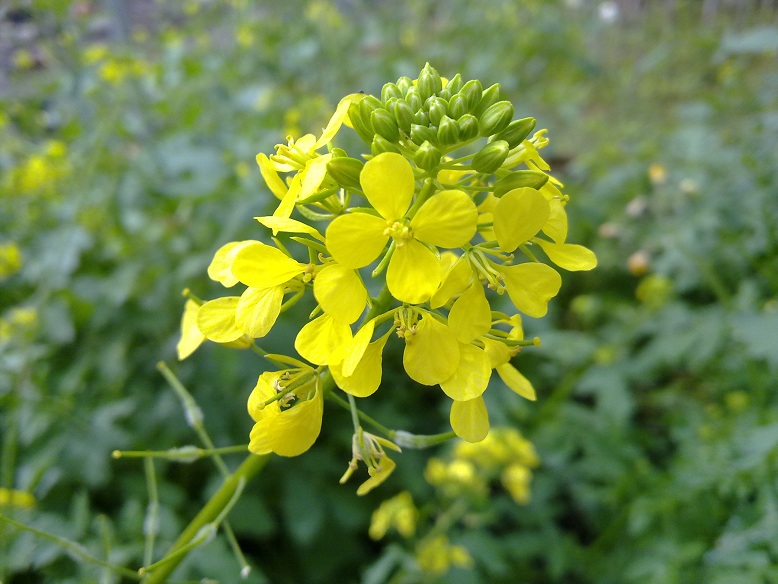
[[308, 273], [400, 231]]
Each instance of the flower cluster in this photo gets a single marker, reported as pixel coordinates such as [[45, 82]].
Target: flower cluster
[[412, 242]]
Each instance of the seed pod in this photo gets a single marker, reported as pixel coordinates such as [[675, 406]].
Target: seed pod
[[390, 90], [489, 97], [345, 171], [490, 157], [421, 134], [384, 124], [381, 145], [495, 118], [516, 132], [403, 115], [520, 178], [427, 156], [468, 127], [471, 91], [429, 82], [436, 108], [448, 132]]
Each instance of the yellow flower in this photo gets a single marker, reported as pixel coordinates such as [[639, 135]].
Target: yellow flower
[[436, 555], [16, 498], [290, 423], [10, 260], [399, 513], [370, 449], [447, 219]]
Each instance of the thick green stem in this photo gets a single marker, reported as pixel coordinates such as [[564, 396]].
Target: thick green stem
[[220, 499]]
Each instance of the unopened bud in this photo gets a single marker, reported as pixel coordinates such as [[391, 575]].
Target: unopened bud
[[429, 82], [468, 127], [454, 84], [345, 171], [457, 106], [403, 115], [421, 118], [413, 98], [421, 134], [495, 118], [384, 124], [448, 131], [358, 122], [517, 131], [533, 179], [490, 157], [489, 97], [427, 157], [390, 90], [381, 145], [436, 108], [471, 91], [404, 84]]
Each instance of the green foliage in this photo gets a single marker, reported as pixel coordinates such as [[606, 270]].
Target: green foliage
[[126, 164]]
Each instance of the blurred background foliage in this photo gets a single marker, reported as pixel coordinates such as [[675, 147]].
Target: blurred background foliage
[[128, 134]]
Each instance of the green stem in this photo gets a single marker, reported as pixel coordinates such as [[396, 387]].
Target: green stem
[[212, 510], [362, 416], [185, 453]]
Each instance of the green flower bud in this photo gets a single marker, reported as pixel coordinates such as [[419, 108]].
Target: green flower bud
[[366, 106], [457, 106], [345, 171], [429, 82], [448, 132], [384, 124], [437, 108], [362, 129], [489, 97], [495, 118], [390, 90], [338, 152], [414, 99], [471, 91], [421, 118], [421, 134], [427, 156], [468, 127], [454, 84], [517, 131], [403, 115], [490, 157], [520, 178], [381, 145], [404, 84]]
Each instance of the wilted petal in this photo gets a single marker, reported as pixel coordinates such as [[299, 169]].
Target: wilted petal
[[387, 466], [530, 286], [432, 354], [388, 183], [518, 216], [356, 239], [216, 320], [414, 273], [471, 376], [470, 420], [263, 266], [340, 292], [569, 256], [258, 310], [448, 219]]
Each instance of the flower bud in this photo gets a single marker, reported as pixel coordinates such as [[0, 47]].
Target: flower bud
[[362, 129], [421, 134], [437, 108], [471, 91], [495, 118], [468, 127], [448, 132], [429, 82], [427, 156], [516, 131], [384, 124], [454, 84], [381, 145], [489, 97], [414, 99], [367, 104], [390, 90], [520, 178], [404, 84], [421, 118], [490, 157], [403, 115], [457, 106], [345, 171]]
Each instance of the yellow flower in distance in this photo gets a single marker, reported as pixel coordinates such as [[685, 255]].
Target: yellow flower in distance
[[290, 424], [447, 219]]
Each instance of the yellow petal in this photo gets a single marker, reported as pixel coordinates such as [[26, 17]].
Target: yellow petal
[[191, 336], [471, 315], [516, 381], [348, 100], [498, 352], [273, 181], [388, 183], [340, 292], [387, 465], [263, 266], [366, 376], [323, 340], [356, 239], [220, 269], [312, 175], [262, 392], [569, 256], [336, 121], [556, 224], [518, 216], [432, 354], [287, 204], [357, 347], [455, 280], [216, 320], [286, 225], [471, 376], [530, 286], [414, 273], [470, 420], [258, 310], [447, 219]]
